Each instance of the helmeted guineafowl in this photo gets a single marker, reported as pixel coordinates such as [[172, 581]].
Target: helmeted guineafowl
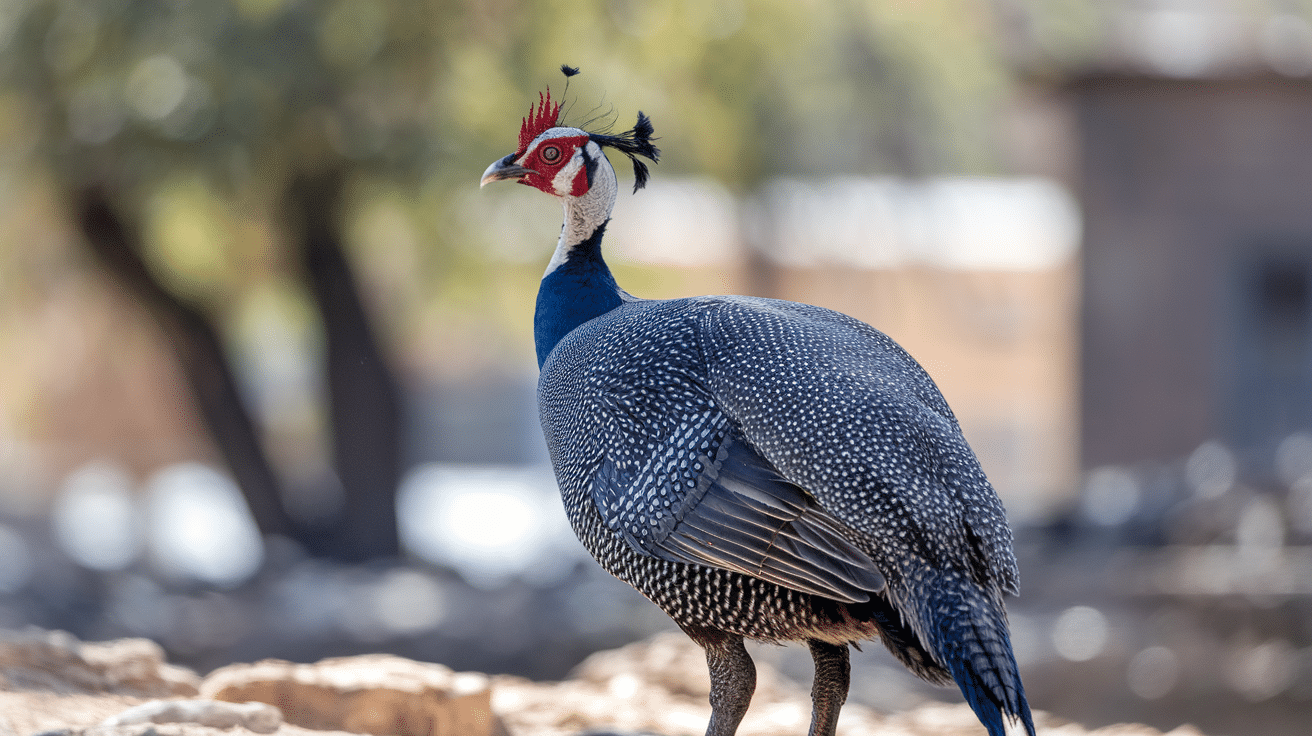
[[760, 468]]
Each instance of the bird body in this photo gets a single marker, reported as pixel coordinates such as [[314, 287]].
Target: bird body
[[761, 468]]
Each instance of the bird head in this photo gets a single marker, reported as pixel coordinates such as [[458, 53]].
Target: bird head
[[564, 161], [559, 161]]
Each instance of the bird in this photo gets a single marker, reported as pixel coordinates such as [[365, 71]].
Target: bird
[[760, 469]]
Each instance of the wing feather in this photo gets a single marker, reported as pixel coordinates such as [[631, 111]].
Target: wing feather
[[740, 515]]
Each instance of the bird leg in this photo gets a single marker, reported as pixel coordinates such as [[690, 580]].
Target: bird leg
[[733, 678], [833, 675]]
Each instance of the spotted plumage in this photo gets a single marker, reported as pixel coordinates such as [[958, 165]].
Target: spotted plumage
[[760, 468]]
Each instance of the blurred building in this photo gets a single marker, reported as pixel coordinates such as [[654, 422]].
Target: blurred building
[[974, 276], [1195, 342], [1197, 263]]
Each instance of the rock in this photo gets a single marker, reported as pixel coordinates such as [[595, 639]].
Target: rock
[[53, 683], [29, 712], [257, 717], [371, 694], [56, 661], [659, 686]]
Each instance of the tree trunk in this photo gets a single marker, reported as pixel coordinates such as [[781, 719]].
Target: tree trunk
[[201, 356], [363, 394], [364, 398]]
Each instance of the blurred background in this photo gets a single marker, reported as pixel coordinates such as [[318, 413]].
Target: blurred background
[[266, 368]]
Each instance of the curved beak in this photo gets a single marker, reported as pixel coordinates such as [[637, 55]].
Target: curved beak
[[503, 169]]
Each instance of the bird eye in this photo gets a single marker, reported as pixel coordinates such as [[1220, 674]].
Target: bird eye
[[550, 154]]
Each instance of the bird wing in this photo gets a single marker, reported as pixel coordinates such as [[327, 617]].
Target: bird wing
[[841, 410], [727, 508]]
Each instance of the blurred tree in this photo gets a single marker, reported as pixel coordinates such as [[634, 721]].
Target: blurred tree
[[217, 154], [196, 118]]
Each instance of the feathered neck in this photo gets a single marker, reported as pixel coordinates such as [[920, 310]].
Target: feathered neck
[[578, 285]]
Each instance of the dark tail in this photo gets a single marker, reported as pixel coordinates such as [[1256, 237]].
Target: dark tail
[[967, 629]]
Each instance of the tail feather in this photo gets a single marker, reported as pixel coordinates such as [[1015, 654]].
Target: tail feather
[[966, 627]]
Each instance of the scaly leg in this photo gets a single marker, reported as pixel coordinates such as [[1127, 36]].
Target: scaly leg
[[733, 678], [833, 675]]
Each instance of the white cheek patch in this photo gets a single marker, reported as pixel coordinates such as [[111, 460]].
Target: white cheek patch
[[563, 183]]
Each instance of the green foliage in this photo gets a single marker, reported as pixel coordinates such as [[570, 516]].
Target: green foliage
[[200, 112]]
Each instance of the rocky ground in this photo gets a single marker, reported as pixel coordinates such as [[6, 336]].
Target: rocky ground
[[52, 684]]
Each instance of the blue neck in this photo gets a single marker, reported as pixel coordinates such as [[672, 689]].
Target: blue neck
[[577, 290]]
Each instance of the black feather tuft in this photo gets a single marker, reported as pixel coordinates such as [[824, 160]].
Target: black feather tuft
[[568, 70], [635, 142]]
